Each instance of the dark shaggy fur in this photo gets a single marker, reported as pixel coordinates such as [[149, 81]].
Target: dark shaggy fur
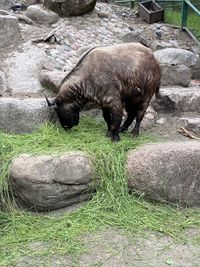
[[117, 77]]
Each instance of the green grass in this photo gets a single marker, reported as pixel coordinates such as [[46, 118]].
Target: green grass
[[173, 17], [111, 206]]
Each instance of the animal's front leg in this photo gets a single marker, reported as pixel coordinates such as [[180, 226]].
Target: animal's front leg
[[107, 118], [115, 126], [136, 129]]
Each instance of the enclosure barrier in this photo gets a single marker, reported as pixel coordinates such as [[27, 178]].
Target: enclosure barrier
[[190, 21], [182, 13]]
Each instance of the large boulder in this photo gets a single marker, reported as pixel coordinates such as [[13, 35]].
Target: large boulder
[[70, 7], [176, 56], [177, 99], [9, 31], [23, 115], [167, 172], [50, 182], [41, 15], [176, 75], [176, 62]]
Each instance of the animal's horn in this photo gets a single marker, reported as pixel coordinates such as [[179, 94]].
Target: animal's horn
[[49, 102]]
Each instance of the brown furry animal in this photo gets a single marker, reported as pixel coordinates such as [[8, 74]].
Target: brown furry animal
[[115, 77]]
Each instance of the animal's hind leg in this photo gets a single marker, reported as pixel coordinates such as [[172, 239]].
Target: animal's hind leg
[[131, 116], [139, 118], [108, 120]]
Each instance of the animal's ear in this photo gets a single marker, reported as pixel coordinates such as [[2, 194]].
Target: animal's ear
[[49, 102]]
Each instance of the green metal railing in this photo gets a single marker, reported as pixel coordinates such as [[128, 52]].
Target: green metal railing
[[190, 21], [182, 13]]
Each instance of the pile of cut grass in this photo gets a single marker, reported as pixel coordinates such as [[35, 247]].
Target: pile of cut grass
[[111, 206]]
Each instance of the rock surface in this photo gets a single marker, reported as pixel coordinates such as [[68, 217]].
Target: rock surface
[[196, 69], [5, 4], [167, 172], [41, 15], [174, 62], [32, 2], [176, 56], [70, 7], [9, 31], [178, 99], [50, 182], [52, 79], [173, 75], [23, 115], [2, 83], [135, 37], [3, 12], [23, 73]]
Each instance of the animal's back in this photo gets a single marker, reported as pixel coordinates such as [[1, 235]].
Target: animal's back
[[133, 64], [115, 70]]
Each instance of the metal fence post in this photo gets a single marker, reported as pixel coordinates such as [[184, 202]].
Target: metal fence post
[[184, 14]]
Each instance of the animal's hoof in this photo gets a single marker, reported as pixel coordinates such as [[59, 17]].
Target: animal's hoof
[[108, 134], [115, 138], [135, 134], [123, 129]]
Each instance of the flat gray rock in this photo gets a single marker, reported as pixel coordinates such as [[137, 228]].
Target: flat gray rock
[[9, 31], [24, 115], [166, 172], [178, 99], [23, 71], [51, 182]]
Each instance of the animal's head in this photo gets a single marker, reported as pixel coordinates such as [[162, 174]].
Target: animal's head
[[68, 114]]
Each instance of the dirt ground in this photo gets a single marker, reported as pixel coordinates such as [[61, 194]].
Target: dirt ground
[[169, 130], [113, 248]]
